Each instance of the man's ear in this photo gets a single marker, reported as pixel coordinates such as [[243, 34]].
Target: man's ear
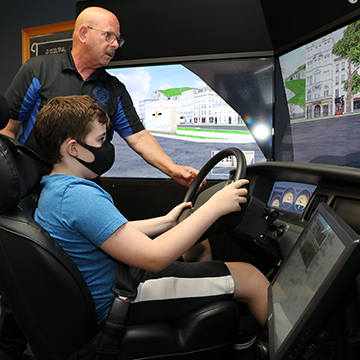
[[83, 30]]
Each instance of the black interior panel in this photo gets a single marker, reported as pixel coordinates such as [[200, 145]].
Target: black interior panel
[[168, 28]]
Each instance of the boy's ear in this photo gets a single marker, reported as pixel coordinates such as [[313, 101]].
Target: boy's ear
[[71, 147]]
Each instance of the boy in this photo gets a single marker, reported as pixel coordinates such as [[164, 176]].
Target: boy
[[82, 218]]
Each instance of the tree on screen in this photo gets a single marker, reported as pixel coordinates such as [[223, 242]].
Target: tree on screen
[[348, 47]]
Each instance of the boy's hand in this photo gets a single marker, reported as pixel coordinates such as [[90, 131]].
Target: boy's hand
[[229, 198], [173, 215]]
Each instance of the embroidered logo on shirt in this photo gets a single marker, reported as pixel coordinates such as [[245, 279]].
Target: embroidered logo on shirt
[[102, 95]]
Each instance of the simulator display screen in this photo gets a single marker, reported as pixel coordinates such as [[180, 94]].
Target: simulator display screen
[[321, 81], [196, 109]]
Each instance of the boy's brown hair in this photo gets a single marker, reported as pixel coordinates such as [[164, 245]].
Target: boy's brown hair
[[66, 117]]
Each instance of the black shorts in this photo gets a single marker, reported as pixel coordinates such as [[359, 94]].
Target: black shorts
[[178, 289]]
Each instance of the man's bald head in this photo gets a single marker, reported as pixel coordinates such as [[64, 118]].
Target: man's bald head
[[96, 17], [96, 37]]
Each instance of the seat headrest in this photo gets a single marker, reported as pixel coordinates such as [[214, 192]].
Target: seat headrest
[[19, 172], [4, 112]]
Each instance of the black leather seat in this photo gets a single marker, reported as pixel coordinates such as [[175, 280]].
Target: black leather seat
[[52, 304]]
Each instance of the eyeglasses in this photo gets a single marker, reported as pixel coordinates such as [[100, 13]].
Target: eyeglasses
[[110, 36]]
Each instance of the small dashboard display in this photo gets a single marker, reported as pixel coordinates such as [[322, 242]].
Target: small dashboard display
[[291, 196]]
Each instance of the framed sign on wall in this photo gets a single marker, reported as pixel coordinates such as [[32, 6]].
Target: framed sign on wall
[[47, 39]]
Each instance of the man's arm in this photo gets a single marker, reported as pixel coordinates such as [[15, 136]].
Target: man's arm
[[150, 150], [12, 128]]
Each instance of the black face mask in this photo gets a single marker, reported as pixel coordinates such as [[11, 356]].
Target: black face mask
[[104, 157]]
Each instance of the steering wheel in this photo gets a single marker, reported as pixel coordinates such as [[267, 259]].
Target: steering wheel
[[225, 222]]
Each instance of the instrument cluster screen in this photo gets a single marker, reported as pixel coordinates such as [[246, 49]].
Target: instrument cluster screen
[[290, 196]]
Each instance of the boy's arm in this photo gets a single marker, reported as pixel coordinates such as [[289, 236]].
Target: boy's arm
[[156, 226], [129, 245]]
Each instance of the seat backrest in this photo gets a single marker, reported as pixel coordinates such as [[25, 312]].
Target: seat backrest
[[44, 289]]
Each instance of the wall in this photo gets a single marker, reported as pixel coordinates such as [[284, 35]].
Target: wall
[[172, 28], [16, 15]]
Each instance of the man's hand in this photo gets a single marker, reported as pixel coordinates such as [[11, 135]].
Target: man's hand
[[185, 175]]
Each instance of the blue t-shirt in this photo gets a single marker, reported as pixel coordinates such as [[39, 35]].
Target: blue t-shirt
[[80, 216]]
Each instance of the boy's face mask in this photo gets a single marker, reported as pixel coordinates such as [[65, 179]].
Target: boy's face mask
[[104, 157]]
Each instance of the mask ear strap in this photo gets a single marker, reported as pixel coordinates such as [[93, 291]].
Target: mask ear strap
[[89, 148]]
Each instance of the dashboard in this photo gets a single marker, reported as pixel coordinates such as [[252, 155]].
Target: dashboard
[[338, 186], [296, 189]]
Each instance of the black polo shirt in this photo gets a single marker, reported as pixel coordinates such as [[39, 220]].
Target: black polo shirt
[[42, 78]]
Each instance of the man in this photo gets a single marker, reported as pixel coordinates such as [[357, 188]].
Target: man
[[80, 71], [94, 238]]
